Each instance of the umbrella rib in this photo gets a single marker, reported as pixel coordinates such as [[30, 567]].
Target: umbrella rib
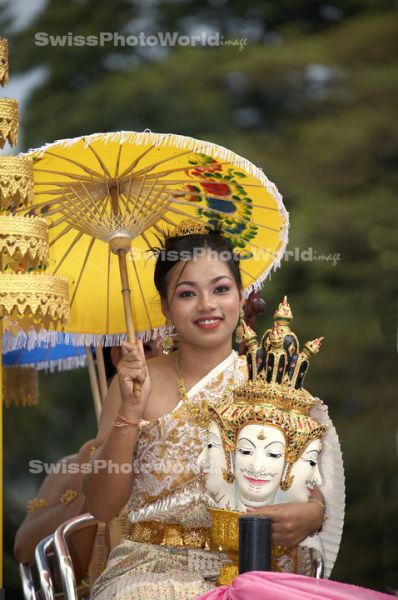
[[135, 162], [62, 219], [176, 170], [153, 197], [64, 174], [69, 210], [59, 183], [266, 227], [217, 181], [262, 249], [71, 245], [61, 234], [184, 214], [160, 162], [118, 162], [140, 200], [123, 199], [102, 200], [220, 212], [142, 294], [152, 204], [246, 273], [138, 196], [226, 199], [108, 285], [101, 162], [82, 270], [74, 162], [129, 191], [93, 203], [85, 205], [158, 229], [146, 241]]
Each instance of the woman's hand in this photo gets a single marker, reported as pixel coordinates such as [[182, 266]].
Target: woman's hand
[[291, 522], [132, 367]]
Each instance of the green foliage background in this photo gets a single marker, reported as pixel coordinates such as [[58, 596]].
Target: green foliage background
[[312, 100]]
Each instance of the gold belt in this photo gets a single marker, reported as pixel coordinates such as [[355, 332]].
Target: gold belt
[[166, 534]]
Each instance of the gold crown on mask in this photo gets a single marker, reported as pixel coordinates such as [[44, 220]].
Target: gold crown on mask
[[298, 429], [277, 368], [189, 227]]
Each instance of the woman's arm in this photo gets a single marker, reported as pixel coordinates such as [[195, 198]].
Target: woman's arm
[[43, 521], [293, 522], [108, 486]]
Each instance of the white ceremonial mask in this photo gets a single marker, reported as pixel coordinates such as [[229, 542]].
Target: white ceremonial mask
[[213, 465], [306, 475], [259, 465]]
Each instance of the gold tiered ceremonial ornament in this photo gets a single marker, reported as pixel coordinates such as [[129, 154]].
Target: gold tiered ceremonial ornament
[[273, 395], [27, 296]]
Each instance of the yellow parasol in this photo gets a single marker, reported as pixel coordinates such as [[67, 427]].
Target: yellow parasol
[[108, 198]]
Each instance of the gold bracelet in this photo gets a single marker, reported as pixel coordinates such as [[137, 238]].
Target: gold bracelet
[[325, 517], [319, 502], [68, 496], [92, 451], [36, 503], [121, 422]]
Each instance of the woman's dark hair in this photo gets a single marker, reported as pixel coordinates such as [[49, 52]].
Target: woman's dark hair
[[184, 248]]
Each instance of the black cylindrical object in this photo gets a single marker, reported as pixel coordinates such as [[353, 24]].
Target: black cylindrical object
[[254, 543]]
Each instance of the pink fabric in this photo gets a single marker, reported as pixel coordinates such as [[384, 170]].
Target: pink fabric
[[259, 585]]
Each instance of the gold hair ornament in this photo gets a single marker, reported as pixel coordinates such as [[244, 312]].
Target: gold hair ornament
[[189, 227]]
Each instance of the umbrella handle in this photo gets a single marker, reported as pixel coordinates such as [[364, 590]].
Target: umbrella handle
[[126, 295]]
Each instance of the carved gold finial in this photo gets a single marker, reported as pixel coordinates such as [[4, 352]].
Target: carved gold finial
[[283, 312], [276, 337], [245, 334], [311, 348], [3, 61], [189, 227]]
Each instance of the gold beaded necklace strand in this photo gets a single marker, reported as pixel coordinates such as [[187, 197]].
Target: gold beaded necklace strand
[[198, 410]]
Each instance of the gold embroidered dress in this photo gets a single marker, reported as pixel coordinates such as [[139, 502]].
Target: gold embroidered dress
[[165, 555], [167, 489]]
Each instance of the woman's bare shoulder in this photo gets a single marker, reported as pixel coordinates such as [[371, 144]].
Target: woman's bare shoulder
[[164, 394], [161, 366]]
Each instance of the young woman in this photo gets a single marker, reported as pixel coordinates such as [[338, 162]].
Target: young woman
[[159, 433]]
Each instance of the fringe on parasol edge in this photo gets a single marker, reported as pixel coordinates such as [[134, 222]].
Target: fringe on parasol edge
[[52, 366], [44, 337]]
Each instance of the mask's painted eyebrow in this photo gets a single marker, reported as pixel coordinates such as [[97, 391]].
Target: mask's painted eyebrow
[[309, 452], [194, 284], [245, 440]]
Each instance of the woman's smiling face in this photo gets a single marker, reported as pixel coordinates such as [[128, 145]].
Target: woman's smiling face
[[203, 301]]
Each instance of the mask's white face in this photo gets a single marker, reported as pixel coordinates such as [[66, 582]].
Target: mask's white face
[[212, 463], [306, 474], [259, 464]]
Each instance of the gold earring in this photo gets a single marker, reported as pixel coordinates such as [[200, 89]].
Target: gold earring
[[287, 478], [167, 340], [227, 472], [239, 328]]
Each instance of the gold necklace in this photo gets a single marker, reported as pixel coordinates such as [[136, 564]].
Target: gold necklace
[[199, 410]]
